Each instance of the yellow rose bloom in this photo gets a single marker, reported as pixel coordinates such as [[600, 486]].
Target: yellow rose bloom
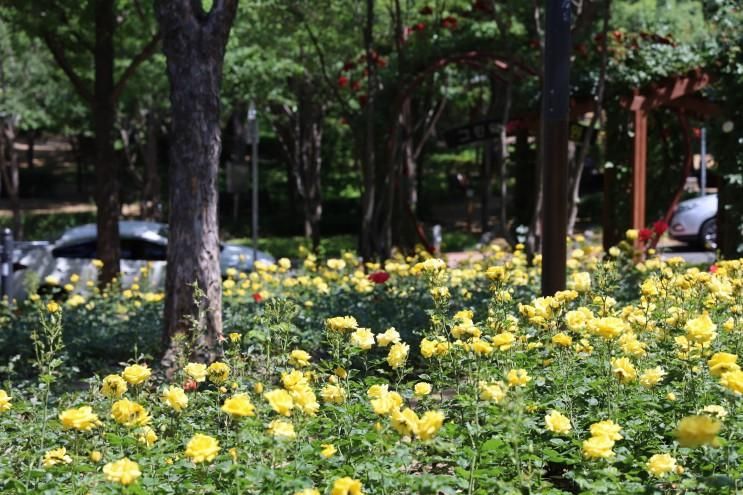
[[113, 387], [175, 397], [558, 423], [652, 376], [305, 400], [580, 282], [333, 394], [280, 401], [308, 491], [494, 392], [562, 339], [202, 448], [294, 379], [299, 358], [341, 324], [504, 341], [722, 362], [733, 381], [598, 448], [281, 429], [122, 471], [328, 450], [197, 371], [235, 337], [398, 355], [608, 327], [129, 413], [429, 424], [5, 404], [623, 369], [390, 336], [218, 372], [136, 374], [714, 410], [631, 234], [693, 431], [347, 486], [148, 436], [56, 456], [701, 330], [82, 419], [606, 428], [95, 456], [518, 378], [53, 307], [422, 389], [660, 465], [239, 406], [363, 338]]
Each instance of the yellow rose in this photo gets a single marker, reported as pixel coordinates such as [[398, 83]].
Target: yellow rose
[[661, 464], [504, 340], [280, 401], [623, 369], [202, 448], [722, 362], [733, 381], [305, 400], [422, 389], [429, 424], [218, 372], [346, 486], [95, 456], [693, 431], [363, 338], [299, 358], [197, 371], [281, 429], [129, 413], [518, 378], [598, 447], [293, 379], [333, 394], [5, 404], [558, 423], [580, 282], [390, 336], [122, 471], [82, 419], [341, 324], [56, 456], [175, 397], [606, 428], [308, 491], [701, 330], [328, 450], [495, 392], [398, 355], [652, 376], [239, 406], [136, 374], [562, 339], [148, 436], [631, 234]]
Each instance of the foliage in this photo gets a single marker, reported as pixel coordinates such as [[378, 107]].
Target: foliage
[[619, 385]]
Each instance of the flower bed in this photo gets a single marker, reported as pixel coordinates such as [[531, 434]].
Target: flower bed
[[492, 390]]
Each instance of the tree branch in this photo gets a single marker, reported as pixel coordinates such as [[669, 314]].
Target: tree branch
[[58, 52], [147, 51]]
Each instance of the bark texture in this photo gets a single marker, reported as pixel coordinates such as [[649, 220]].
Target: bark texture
[[194, 44]]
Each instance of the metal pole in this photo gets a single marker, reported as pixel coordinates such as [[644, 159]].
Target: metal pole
[[253, 123], [703, 164], [6, 263], [555, 95]]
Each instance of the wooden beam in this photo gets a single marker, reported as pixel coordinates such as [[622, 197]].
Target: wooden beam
[[696, 106], [639, 169], [666, 93]]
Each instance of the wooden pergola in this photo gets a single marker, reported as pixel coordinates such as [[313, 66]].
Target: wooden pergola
[[677, 92]]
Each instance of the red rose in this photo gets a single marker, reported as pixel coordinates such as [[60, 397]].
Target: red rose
[[257, 297], [190, 385], [379, 277], [356, 85], [644, 235], [348, 66], [659, 227], [363, 99], [420, 26], [342, 81], [449, 22], [712, 268]]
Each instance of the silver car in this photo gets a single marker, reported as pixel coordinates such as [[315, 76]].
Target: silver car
[[694, 221], [143, 249]]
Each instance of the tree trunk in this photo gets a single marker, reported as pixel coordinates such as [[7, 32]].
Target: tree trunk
[[194, 44], [106, 166], [31, 140], [368, 239], [9, 172], [151, 192]]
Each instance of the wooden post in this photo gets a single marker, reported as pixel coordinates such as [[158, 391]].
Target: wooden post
[[555, 95], [639, 168]]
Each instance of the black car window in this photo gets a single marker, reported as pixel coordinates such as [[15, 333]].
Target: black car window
[[81, 250], [139, 249]]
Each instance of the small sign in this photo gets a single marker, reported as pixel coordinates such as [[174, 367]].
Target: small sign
[[472, 133]]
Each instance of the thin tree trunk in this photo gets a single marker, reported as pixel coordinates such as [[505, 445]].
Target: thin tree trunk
[[194, 44], [9, 172], [368, 196], [106, 166], [150, 155]]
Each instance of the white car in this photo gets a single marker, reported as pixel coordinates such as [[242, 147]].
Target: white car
[[143, 244], [694, 221]]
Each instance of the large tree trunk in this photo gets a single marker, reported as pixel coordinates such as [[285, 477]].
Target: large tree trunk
[[150, 156], [194, 44], [106, 167], [368, 239]]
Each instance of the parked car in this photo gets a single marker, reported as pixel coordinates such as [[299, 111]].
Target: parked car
[[143, 244], [694, 221]]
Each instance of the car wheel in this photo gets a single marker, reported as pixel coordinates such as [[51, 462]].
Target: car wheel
[[708, 234]]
